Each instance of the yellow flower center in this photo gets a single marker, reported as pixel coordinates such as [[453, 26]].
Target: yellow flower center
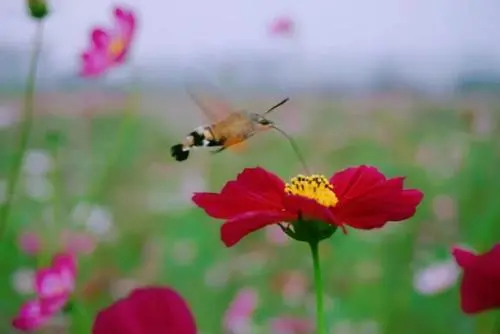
[[315, 187], [116, 47]]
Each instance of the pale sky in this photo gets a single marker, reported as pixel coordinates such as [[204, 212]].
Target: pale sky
[[344, 28]]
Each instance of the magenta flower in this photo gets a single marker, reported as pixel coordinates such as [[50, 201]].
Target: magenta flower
[[54, 286], [109, 47], [31, 316], [240, 311], [147, 310]]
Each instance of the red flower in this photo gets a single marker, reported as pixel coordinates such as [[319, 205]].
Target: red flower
[[148, 310], [480, 286], [360, 197]]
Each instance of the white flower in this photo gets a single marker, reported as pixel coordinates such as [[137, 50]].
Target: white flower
[[97, 219], [38, 187], [436, 278], [37, 162], [23, 281], [100, 221]]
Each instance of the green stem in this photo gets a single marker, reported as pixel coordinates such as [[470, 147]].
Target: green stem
[[318, 286], [24, 132]]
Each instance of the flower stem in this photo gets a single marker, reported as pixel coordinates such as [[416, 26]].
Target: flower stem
[[24, 131], [318, 286]]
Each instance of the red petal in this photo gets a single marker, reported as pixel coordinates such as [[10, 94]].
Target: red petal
[[479, 293], [481, 279], [253, 190], [240, 226], [147, 310], [259, 180], [355, 181], [117, 318], [464, 257], [368, 200]]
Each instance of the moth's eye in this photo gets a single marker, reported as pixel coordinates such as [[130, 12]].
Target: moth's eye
[[264, 121]]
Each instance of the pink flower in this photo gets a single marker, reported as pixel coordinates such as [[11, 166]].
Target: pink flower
[[282, 26], [54, 286], [291, 325], [109, 47], [31, 316], [30, 242], [77, 242], [240, 310], [69, 242]]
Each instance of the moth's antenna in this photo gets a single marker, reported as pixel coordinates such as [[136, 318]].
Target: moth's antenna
[[277, 105], [294, 147]]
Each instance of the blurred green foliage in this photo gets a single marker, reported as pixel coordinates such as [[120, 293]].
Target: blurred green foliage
[[369, 275]]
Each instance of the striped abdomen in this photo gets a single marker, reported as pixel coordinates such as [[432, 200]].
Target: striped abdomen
[[200, 137]]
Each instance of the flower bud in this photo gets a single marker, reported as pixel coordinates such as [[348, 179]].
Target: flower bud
[[37, 8]]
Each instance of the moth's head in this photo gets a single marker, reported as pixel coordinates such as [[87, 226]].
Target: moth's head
[[261, 120]]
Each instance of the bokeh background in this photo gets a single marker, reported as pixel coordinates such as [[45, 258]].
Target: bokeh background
[[409, 86]]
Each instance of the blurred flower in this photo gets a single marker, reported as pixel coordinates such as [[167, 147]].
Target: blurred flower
[[291, 325], [77, 242], [38, 187], [68, 241], [37, 163], [282, 26], [436, 278], [8, 116], [237, 318], [37, 8], [159, 310], [29, 242], [293, 287], [479, 288], [23, 281], [109, 47], [276, 236], [360, 197], [53, 286], [97, 219]]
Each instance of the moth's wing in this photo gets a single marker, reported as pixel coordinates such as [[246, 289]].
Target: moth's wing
[[235, 129], [239, 147], [213, 106]]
